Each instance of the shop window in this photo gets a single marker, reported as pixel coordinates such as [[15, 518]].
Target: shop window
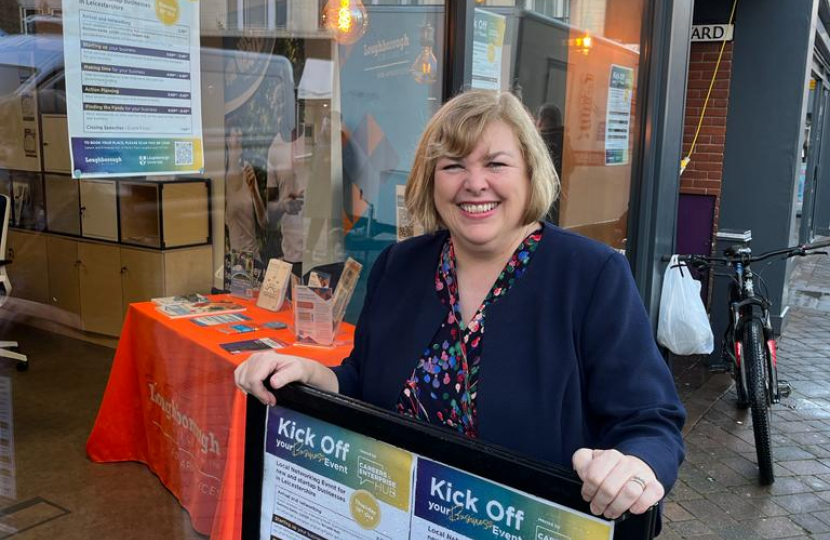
[[575, 65]]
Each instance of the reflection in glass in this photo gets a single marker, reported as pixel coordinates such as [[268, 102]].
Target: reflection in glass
[[8, 475], [575, 64], [425, 66], [28, 205], [346, 20]]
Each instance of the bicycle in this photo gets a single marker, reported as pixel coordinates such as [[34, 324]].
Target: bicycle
[[749, 346]]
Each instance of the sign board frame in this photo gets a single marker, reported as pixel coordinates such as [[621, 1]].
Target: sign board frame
[[544, 480]]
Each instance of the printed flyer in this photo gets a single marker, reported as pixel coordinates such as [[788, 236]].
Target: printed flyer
[[322, 481], [133, 87], [618, 115], [454, 505], [488, 42]]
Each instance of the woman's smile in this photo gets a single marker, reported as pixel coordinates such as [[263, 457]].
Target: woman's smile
[[482, 197]]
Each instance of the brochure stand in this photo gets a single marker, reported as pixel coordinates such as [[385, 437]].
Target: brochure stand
[[527, 489]]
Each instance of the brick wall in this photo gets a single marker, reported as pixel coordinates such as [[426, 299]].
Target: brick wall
[[704, 173]]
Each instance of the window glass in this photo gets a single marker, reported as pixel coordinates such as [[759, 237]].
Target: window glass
[[575, 63], [304, 141]]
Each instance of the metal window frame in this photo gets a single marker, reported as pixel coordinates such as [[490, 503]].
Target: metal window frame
[[656, 180]]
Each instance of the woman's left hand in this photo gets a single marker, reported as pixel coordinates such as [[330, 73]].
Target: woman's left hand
[[614, 482]]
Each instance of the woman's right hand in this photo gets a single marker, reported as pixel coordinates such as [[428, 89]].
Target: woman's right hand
[[279, 369], [249, 175]]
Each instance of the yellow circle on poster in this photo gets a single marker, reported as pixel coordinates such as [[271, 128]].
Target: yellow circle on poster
[[167, 11], [491, 53], [365, 509]]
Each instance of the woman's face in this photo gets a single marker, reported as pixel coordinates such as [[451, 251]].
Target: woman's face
[[482, 197], [235, 139]]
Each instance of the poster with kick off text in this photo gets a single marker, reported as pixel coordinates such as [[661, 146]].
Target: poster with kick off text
[[618, 115], [451, 504], [488, 42], [321, 481], [133, 87], [325, 482]]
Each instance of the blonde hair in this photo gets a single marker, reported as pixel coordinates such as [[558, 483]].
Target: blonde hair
[[456, 129]]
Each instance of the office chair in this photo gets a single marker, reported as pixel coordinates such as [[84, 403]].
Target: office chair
[[6, 285]]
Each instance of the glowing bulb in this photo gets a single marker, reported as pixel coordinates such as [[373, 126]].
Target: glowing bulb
[[582, 44], [424, 68], [347, 20]]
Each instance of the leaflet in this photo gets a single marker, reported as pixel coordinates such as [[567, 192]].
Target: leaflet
[[488, 43], [215, 320], [618, 115], [181, 299], [345, 289], [253, 345], [217, 307], [323, 481], [313, 315], [274, 285]]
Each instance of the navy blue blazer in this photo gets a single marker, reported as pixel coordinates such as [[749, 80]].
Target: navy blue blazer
[[569, 359]]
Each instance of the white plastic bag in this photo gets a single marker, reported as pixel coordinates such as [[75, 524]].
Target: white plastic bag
[[683, 326]]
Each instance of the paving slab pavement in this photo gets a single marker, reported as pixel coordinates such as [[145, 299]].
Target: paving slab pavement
[[717, 496]]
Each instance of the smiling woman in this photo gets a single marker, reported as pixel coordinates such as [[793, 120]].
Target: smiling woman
[[481, 198], [567, 370]]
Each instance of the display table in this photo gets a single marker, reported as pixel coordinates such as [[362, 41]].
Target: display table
[[171, 403]]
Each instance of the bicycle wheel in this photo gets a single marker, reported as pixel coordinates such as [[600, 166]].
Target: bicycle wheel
[[756, 385]]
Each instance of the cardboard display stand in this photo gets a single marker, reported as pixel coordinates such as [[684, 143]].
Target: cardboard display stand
[[336, 467]]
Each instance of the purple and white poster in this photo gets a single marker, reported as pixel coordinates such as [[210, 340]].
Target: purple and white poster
[[133, 87]]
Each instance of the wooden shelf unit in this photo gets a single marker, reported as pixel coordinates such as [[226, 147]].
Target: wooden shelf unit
[[95, 246]]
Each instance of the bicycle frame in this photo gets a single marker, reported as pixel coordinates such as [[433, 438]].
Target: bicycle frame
[[755, 370], [745, 305]]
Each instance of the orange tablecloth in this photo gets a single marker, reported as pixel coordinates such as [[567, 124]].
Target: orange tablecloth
[[171, 403]]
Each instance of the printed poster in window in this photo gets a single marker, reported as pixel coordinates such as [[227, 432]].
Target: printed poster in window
[[133, 92], [618, 115], [488, 41]]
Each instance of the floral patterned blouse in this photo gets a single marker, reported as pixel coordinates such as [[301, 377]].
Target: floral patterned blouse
[[442, 388]]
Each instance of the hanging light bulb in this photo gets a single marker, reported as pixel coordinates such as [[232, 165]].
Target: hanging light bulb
[[347, 20], [582, 44], [426, 65]]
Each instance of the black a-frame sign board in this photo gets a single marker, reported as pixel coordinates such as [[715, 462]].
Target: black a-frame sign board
[[436, 446]]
